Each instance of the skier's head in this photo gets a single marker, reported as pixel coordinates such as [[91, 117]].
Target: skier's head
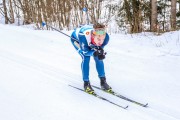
[[99, 29], [99, 33]]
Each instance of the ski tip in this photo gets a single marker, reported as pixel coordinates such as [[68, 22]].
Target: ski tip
[[70, 85], [126, 107], [146, 105]]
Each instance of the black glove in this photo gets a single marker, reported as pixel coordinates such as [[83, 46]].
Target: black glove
[[101, 57], [100, 53]]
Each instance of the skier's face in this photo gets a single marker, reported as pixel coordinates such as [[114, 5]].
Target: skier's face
[[99, 36], [99, 39]]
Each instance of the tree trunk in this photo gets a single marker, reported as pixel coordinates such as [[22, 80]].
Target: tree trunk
[[11, 11], [5, 12], [154, 15], [173, 14]]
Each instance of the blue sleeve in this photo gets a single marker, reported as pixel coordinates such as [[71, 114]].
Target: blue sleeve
[[86, 50]]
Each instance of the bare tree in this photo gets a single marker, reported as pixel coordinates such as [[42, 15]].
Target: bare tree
[[173, 14], [5, 12], [11, 11], [58, 13], [153, 15]]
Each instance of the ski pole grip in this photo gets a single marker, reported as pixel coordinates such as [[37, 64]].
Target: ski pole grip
[[43, 24]]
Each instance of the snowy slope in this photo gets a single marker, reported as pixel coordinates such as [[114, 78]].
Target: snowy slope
[[37, 66]]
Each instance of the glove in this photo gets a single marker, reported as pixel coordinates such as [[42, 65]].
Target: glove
[[100, 53], [101, 57]]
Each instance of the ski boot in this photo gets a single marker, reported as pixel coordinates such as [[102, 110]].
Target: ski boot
[[105, 86], [88, 88]]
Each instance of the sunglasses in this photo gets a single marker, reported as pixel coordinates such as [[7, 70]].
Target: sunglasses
[[99, 31]]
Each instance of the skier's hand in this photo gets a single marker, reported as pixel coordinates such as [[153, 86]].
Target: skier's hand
[[100, 53], [101, 57]]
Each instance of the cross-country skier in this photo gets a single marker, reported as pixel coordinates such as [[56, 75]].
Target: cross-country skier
[[90, 40]]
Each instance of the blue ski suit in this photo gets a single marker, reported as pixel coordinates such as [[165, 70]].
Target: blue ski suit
[[82, 43]]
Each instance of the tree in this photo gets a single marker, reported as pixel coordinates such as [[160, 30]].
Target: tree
[[11, 11], [173, 14], [153, 15], [163, 10], [5, 12], [131, 14]]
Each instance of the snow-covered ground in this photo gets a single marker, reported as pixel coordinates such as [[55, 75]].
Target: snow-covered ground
[[37, 66]]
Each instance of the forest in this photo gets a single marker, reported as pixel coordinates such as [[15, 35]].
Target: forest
[[133, 16]]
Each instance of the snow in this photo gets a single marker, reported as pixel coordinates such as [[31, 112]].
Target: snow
[[36, 68]]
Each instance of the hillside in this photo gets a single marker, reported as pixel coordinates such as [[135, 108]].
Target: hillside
[[36, 68]]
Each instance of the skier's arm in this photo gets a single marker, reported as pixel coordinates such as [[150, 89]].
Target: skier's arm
[[86, 50]]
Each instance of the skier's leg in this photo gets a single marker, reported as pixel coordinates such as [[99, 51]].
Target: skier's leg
[[84, 67], [99, 67], [101, 74], [85, 61]]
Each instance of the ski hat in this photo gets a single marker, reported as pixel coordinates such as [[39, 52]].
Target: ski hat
[[99, 29]]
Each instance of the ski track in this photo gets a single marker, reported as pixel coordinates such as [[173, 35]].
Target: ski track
[[49, 71], [157, 114], [53, 74], [64, 78]]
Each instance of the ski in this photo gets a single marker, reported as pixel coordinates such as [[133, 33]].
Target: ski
[[122, 97], [100, 97]]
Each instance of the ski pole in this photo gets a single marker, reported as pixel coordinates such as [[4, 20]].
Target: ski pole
[[87, 17], [43, 24]]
